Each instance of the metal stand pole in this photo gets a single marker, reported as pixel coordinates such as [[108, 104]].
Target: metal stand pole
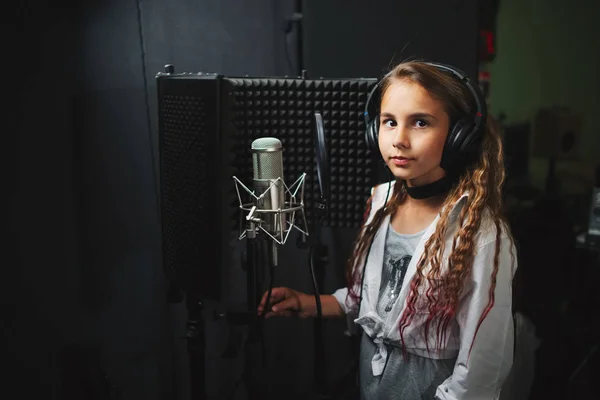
[[252, 346], [196, 347]]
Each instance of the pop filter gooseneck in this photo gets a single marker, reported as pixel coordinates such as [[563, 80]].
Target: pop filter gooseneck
[[318, 253]]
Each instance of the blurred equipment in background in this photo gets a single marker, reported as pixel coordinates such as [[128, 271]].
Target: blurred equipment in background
[[557, 133], [516, 151], [488, 11], [484, 84], [593, 232], [556, 136], [554, 285]]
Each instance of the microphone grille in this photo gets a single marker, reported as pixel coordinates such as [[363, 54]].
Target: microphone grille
[[267, 158], [266, 143]]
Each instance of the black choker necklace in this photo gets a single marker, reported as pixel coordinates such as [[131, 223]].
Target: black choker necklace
[[431, 189]]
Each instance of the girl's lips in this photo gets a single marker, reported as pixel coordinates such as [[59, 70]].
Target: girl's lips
[[401, 161]]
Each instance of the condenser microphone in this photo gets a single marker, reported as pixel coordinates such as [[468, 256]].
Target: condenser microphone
[[267, 167]]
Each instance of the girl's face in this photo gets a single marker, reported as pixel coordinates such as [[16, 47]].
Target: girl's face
[[412, 132]]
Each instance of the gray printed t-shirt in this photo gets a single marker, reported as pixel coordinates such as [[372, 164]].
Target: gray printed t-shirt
[[415, 377]]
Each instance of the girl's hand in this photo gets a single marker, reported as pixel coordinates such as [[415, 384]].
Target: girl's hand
[[286, 302]]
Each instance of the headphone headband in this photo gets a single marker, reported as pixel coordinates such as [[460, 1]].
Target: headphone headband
[[481, 112]]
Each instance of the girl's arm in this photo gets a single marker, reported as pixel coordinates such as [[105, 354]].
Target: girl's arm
[[486, 353], [288, 302]]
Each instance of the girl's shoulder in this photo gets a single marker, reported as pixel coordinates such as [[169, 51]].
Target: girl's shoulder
[[487, 231]]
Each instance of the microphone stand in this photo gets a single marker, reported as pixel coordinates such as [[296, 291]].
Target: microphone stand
[[318, 251], [249, 318], [195, 337], [252, 346], [319, 260], [196, 346]]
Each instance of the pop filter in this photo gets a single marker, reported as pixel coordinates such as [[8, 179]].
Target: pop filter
[[322, 161]]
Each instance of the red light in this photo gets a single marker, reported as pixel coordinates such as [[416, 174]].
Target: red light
[[489, 41]]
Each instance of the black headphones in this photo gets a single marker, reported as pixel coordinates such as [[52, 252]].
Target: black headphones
[[464, 136]]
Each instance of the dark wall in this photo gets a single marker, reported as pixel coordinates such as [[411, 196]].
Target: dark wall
[[354, 38], [85, 294], [41, 282]]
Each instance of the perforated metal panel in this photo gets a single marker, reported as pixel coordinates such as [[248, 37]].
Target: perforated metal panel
[[188, 156]]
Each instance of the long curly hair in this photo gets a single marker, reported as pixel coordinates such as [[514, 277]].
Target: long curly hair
[[436, 285]]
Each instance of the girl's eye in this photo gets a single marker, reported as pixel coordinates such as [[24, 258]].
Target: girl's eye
[[389, 123], [420, 123]]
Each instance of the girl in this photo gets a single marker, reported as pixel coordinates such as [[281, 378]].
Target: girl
[[430, 278]]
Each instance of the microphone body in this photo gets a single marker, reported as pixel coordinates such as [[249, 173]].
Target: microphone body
[[267, 171]]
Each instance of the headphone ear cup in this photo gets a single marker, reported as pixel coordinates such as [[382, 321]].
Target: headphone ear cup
[[454, 149], [470, 141], [372, 133]]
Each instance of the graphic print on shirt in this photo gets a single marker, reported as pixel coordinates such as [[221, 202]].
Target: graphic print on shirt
[[397, 268]]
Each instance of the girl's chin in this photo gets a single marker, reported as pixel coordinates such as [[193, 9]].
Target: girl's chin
[[402, 173]]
